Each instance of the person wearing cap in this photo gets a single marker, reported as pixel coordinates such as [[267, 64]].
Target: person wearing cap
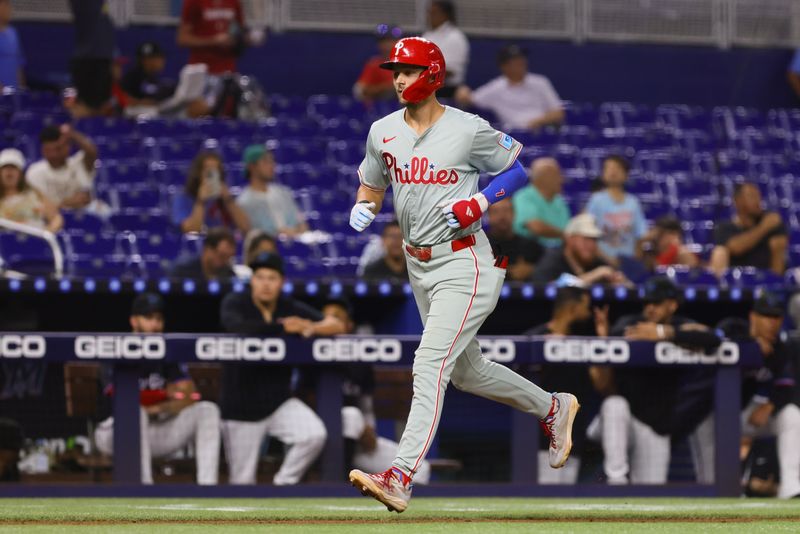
[[21, 203], [636, 418], [269, 206], [451, 40], [144, 83], [540, 210], [618, 213], [520, 99], [770, 396], [172, 414], [375, 83], [579, 256], [256, 400]]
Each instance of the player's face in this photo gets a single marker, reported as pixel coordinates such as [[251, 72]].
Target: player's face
[[765, 326], [265, 285], [154, 64], [337, 311], [660, 312], [403, 77], [148, 324]]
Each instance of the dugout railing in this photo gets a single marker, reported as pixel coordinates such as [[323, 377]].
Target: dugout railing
[[126, 350]]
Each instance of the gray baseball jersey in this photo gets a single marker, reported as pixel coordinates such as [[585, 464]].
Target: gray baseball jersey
[[441, 165]]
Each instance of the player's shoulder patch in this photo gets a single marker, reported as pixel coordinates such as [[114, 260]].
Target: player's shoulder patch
[[505, 141]]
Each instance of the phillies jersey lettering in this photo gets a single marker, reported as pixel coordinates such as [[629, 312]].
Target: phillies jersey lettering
[[441, 165]]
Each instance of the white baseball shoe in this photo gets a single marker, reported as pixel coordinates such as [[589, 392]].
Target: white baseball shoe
[[558, 427], [392, 487]]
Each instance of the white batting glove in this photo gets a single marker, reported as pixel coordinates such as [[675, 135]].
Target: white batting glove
[[362, 216]]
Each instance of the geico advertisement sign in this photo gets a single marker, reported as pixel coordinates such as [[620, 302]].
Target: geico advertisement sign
[[128, 347], [586, 351], [498, 350], [357, 350], [249, 349], [27, 346], [726, 354]]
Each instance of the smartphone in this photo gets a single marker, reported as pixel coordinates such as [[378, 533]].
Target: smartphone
[[214, 180]]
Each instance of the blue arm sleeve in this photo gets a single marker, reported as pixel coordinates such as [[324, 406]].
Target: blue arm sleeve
[[506, 183]]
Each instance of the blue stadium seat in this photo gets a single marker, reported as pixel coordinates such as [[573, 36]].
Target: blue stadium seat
[[751, 277], [141, 222], [106, 126], [139, 198], [347, 152], [126, 171]]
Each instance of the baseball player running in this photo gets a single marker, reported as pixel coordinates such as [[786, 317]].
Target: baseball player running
[[431, 155]]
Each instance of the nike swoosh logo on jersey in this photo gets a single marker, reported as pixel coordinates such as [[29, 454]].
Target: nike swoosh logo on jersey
[[385, 140]]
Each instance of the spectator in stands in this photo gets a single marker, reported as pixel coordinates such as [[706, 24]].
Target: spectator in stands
[[67, 180], [376, 83], [257, 242], [522, 252], [520, 99], [213, 32], [619, 214], [364, 448], [452, 41], [793, 73], [172, 416], [539, 208], [269, 206], [144, 83], [214, 262], [663, 245], [206, 201], [256, 399], [18, 201], [92, 58], [578, 257], [754, 237], [11, 58], [636, 416], [572, 310], [392, 266]]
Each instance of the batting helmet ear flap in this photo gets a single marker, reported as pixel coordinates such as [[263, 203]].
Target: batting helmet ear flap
[[419, 52]]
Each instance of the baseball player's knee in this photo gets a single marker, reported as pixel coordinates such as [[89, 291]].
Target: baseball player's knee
[[615, 406], [789, 417], [208, 410]]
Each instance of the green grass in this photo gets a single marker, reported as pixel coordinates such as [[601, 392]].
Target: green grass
[[360, 515]]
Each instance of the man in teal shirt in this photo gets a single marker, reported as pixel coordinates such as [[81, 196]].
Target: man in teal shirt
[[540, 210]]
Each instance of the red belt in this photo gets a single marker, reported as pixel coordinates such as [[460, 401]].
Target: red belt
[[424, 253]]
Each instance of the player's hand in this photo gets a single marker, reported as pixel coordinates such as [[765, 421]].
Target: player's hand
[[463, 213], [760, 416], [362, 216]]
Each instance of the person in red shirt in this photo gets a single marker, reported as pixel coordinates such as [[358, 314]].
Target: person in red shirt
[[214, 32], [375, 83]]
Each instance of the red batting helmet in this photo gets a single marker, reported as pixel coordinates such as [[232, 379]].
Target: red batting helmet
[[418, 52]]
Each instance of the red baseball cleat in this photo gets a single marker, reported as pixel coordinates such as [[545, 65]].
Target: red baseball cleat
[[558, 427], [392, 487]]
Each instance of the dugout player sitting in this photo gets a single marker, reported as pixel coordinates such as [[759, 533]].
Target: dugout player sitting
[[256, 399], [580, 256], [635, 418], [393, 263], [172, 417], [365, 450], [770, 395], [522, 252], [573, 315]]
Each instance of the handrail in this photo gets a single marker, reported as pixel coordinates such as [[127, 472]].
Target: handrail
[[49, 237]]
